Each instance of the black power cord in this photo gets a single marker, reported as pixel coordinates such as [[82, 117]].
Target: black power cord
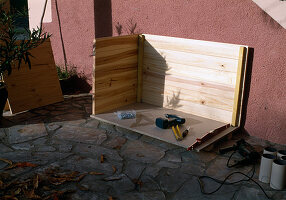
[[224, 182]]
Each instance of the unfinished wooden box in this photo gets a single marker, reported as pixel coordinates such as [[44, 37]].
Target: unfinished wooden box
[[155, 75]]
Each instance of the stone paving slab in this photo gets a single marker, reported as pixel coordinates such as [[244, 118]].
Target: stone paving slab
[[63, 136]]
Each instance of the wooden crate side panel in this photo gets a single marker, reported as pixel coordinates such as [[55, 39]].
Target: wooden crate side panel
[[115, 72], [193, 46], [192, 76], [35, 87]]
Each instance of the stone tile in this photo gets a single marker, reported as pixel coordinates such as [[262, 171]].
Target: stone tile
[[167, 164], [198, 156], [69, 117], [171, 180], [3, 134], [131, 135], [80, 134], [83, 164], [152, 171], [115, 142], [142, 152], [133, 169], [40, 141], [191, 190], [148, 184], [219, 170], [23, 133], [45, 157], [23, 146], [46, 148], [53, 126], [92, 183], [85, 195], [96, 151], [106, 126], [193, 168], [92, 123], [65, 147], [145, 138], [154, 195], [4, 148], [173, 157], [249, 193], [121, 186]]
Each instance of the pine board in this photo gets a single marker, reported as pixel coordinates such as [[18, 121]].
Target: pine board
[[115, 72], [197, 77], [144, 123], [35, 87]]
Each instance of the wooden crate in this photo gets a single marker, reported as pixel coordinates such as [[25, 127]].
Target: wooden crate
[[200, 80]]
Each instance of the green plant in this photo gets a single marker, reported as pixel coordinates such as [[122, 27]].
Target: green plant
[[64, 73], [13, 51]]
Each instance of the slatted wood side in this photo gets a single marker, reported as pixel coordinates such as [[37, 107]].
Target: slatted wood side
[[192, 76], [35, 87], [115, 72]]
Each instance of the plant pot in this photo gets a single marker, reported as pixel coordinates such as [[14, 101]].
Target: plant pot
[[67, 85], [3, 98]]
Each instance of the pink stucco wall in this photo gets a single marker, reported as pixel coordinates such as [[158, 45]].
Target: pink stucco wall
[[77, 23], [230, 21]]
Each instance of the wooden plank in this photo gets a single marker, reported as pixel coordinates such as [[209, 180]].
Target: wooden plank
[[115, 72], [35, 87], [185, 58], [195, 73], [6, 108], [197, 77], [141, 39], [239, 87], [144, 123], [201, 47]]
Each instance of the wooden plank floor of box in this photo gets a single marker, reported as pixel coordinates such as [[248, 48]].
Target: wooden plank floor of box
[[144, 123]]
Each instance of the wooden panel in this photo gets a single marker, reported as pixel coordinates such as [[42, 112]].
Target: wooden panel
[[35, 87], [237, 104], [144, 123], [115, 72], [192, 76], [141, 41]]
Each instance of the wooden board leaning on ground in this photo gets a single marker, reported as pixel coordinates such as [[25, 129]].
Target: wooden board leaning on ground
[[115, 72], [197, 77], [35, 87]]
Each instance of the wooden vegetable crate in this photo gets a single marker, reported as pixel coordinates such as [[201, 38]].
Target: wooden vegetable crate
[[155, 75]]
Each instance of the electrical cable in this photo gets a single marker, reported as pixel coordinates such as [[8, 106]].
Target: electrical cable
[[224, 182]]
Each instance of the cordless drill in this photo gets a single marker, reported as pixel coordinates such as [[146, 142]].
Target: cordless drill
[[245, 150], [169, 121]]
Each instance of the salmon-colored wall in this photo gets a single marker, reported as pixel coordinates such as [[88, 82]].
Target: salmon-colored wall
[[77, 24], [230, 21]]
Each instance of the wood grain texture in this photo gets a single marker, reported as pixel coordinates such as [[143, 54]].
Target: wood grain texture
[[239, 87], [144, 123], [141, 41], [115, 72], [192, 76], [35, 87]]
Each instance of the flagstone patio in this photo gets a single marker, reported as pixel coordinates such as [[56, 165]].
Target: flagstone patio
[[116, 163]]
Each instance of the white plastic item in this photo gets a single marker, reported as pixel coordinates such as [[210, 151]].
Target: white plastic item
[[270, 150], [278, 175], [281, 153], [265, 167]]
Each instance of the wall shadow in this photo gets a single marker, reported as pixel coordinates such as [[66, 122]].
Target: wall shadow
[[155, 71], [102, 18], [247, 85]]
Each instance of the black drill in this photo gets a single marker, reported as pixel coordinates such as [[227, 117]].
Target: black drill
[[169, 121]]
